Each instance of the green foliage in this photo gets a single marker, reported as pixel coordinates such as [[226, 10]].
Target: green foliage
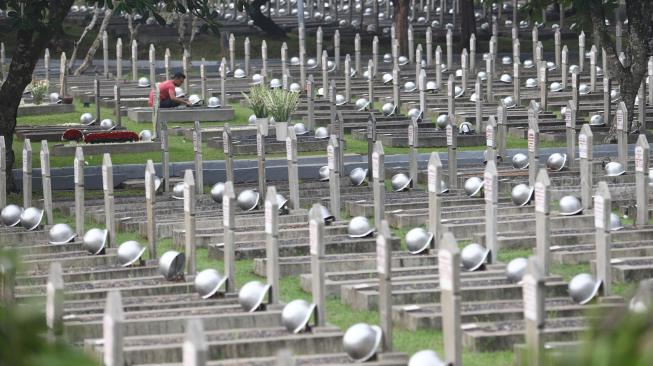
[[256, 99], [36, 15], [280, 104], [582, 16], [22, 330], [618, 338]]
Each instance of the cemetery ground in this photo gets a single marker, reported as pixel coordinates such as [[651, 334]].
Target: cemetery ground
[[338, 314], [180, 150]]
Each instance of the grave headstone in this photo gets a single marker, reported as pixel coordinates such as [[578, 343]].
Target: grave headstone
[[116, 104], [357, 54], [135, 61], [586, 154], [533, 291], [195, 348], [119, 60], [533, 142], [396, 95], [452, 147], [516, 81], [542, 192], [166, 58], [333, 152], [602, 210], [438, 67], [46, 180], [272, 244], [152, 59], [502, 131], [472, 54], [199, 161], [450, 299], [451, 106], [227, 148], [318, 46], [232, 52], [413, 143], [581, 51], [564, 68], [247, 47], [378, 181], [204, 94], [336, 49], [478, 104], [557, 43], [229, 226], [544, 86], [105, 54], [46, 64], [318, 255], [79, 191], [370, 84], [491, 194], [54, 306], [621, 116], [325, 75], [165, 157], [189, 221], [347, 70], [63, 77], [435, 200], [150, 201], [570, 132], [642, 179], [384, 269], [607, 102], [98, 97], [293, 170], [593, 56], [113, 330], [449, 40], [310, 95], [429, 46], [27, 173], [109, 210]]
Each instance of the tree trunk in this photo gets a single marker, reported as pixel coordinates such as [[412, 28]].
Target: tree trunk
[[88, 60], [30, 45], [133, 30], [181, 32], [88, 28], [468, 22], [266, 24], [401, 25], [631, 73]]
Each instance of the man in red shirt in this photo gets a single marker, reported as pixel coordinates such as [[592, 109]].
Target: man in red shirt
[[167, 95]]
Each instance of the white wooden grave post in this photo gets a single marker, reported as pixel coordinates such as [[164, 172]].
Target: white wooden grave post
[[272, 244], [189, 222], [109, 210]]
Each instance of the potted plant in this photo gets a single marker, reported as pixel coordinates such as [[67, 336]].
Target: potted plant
[[39, 90], [256, 99], [280, 104]]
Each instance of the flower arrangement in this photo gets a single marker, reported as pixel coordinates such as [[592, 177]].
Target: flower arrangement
[[39, 90], [256, 99], [280, 104], [110, 136]]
